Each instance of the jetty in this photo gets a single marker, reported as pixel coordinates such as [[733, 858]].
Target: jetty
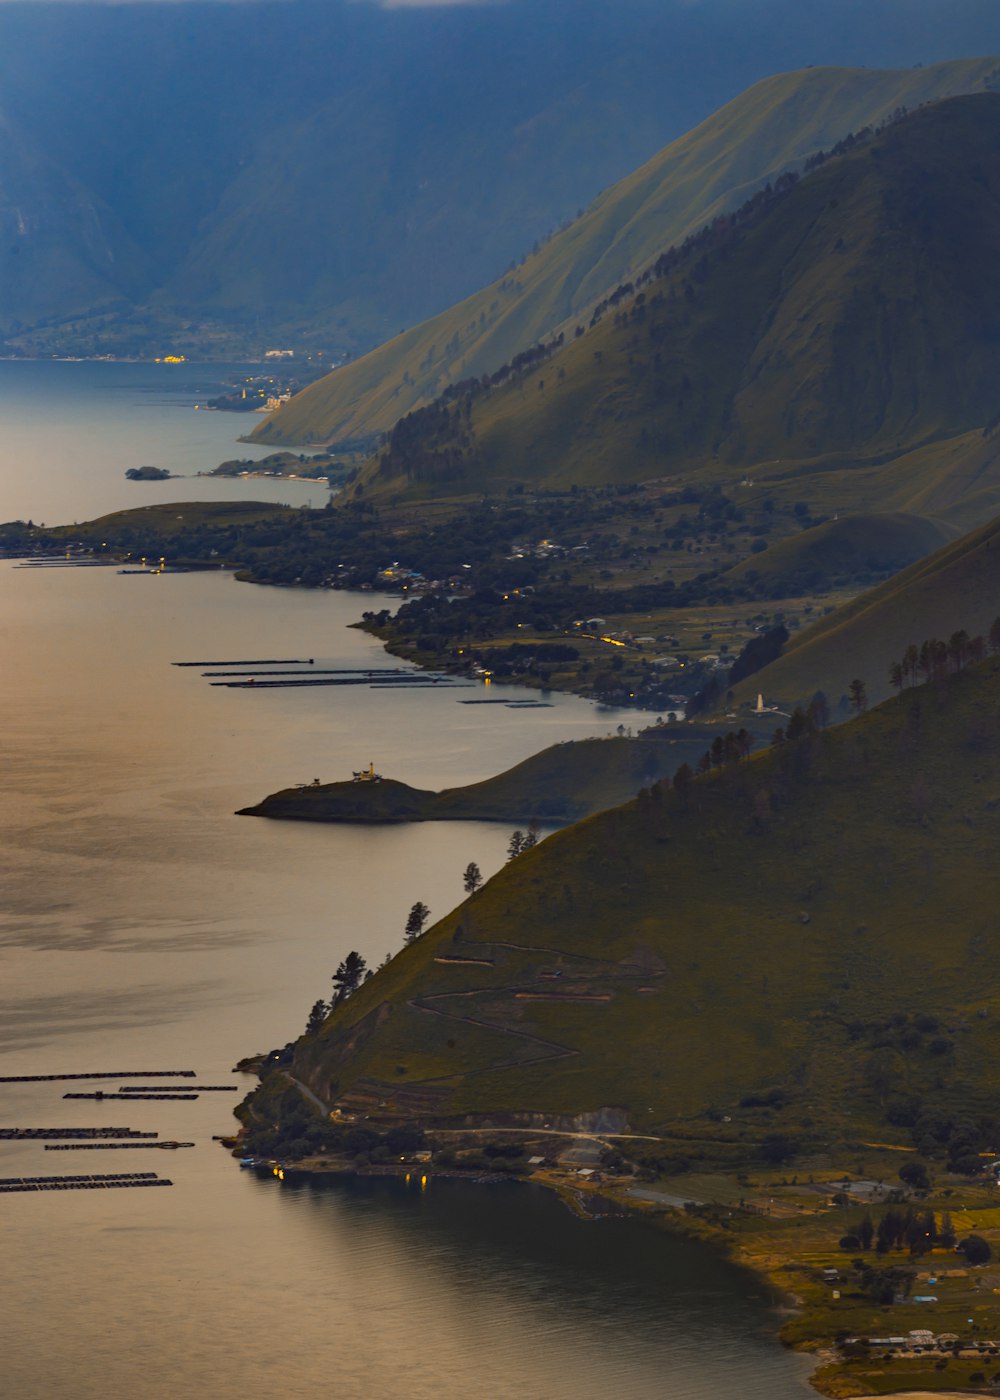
[[100, 1074], [81, 1183]]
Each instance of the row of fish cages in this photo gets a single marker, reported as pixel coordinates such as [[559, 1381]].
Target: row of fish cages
[[100, 1182], [114, 1146], [135, 1090], [100, 1074], [128, 1098], [36, 1134]]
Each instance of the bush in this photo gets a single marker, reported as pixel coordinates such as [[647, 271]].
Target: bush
[[404, 1139], [776, 1148]]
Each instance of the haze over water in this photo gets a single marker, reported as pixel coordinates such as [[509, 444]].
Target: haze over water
[[143, 926]]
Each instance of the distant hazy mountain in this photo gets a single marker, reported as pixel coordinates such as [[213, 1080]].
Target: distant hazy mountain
[[349, 169], [771, 128]]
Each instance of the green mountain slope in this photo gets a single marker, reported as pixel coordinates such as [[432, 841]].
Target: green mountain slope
[[756, 930], [771, 128], [956, 587], [826, 331], [843, 549]]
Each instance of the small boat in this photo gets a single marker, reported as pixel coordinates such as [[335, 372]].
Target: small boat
[[248, 1161]]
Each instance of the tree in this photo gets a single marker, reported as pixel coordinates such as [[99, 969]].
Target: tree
[[859, 696], [415, 922], [866, 1232], [683, 779], [531, 836], [896, 675], [958, 649], [914, 1174], [348, 977], [975, 1249], [472, 877], [994, 634], [515, 845], [316, 1017], [819, 710], [777, 1147]]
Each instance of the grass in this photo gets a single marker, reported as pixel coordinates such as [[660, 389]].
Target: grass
[[956, 587], [772, 127], [844, 547], [738, 932]]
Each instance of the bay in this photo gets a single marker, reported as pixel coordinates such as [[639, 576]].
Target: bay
[[144, 926], [69, 431]]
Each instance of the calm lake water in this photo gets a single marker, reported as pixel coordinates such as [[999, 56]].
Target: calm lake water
[[69, 431], [143, 926]]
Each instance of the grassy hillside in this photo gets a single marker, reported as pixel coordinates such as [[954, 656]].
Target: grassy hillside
[[828, 331], [560, 784], [771, 128], [842, 549], [761, 937], [956, 587]]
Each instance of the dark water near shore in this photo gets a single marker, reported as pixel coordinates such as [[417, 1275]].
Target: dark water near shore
[[142, 926]]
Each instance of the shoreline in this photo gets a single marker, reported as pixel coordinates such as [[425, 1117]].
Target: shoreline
[[835, 1374], [573, 1194]]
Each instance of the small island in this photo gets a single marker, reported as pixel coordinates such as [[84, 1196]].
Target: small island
[[149, 474]]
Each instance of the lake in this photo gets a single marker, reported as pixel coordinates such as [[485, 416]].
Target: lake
[[143, 926], [71, 430]]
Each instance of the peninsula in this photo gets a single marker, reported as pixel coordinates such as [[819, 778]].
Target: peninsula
[[561, 784], [761, 1003]]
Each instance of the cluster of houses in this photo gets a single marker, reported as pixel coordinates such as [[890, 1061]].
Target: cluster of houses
[[545, 549], [412, 581], [922, 1340]]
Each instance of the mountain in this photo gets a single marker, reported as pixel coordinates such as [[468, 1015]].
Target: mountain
[[805, 342], [38, 200], [335, 171], [762, 935], [957, 587], [773, 127]]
